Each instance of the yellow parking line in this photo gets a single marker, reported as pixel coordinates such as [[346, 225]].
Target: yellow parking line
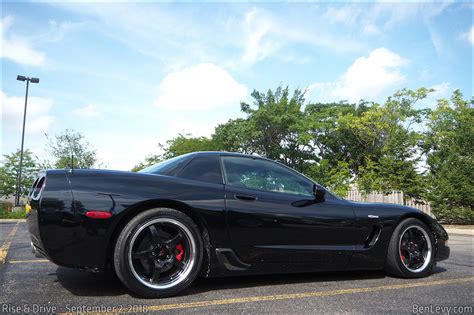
[[251, 299], [4, 248], [28, 261]]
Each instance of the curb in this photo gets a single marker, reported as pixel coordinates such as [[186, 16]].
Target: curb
[[12, 220], [460, 232]]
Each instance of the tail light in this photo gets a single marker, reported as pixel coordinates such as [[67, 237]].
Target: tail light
[[38, 187]]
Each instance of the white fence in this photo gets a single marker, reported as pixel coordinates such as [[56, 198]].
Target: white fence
[[395, 197]]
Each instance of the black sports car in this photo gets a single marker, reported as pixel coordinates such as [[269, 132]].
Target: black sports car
[[219, 214]]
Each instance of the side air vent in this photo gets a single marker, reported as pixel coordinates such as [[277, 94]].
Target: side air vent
[[373, 237], [229, 259]]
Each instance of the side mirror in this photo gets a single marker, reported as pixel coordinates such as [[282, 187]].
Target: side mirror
[[319, 194], [318, 197]]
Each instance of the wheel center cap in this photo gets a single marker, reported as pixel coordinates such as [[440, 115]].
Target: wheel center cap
[[160, 252]]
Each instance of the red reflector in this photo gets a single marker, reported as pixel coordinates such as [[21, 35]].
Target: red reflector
[[98, 214]]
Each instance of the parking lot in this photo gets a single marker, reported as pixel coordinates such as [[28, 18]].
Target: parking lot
[[29, 284]]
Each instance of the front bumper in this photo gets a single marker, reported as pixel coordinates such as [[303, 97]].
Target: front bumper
[[442, 250]]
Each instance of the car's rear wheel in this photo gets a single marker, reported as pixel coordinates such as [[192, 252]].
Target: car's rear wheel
[[411, 250], [158, 253]]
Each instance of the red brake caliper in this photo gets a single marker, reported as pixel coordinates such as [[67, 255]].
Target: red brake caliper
[[179, 252]]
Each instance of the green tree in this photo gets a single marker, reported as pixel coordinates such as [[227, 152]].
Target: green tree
[[149, 160], [70, 149], [337, 178], [331, 146], [272, 128], [10, 168], [384, 145], [183, 144], [234, 136], [376, 147], [449, 146]]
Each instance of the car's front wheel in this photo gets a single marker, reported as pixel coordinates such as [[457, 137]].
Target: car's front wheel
[[158, 253], [411, 250]]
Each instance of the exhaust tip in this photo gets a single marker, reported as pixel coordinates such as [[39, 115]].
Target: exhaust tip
[[35, 251]]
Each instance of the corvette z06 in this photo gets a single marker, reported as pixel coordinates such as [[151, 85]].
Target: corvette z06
[[217, 214]]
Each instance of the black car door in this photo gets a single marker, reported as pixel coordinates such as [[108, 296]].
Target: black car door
[[268, 223]]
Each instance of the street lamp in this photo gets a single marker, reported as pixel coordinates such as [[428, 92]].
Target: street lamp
[[28, 80]]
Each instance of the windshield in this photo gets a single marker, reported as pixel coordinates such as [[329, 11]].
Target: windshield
[[168, 167]]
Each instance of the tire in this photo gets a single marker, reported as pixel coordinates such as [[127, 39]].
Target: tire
[[404, 260], [158, 253]]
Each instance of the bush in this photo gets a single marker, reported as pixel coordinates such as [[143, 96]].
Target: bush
[[5, 214], [454, 215]]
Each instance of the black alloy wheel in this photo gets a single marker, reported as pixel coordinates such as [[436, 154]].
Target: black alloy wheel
[[411, 251], [158, 253], [415, 248]]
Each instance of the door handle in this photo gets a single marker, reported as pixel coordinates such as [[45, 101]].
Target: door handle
[[245, 197]]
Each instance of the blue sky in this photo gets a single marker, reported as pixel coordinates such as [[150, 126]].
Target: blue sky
[[131, 75]]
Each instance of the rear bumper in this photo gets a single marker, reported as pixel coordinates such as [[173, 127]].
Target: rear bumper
[[442, 250], [38, 252], [33, 229]]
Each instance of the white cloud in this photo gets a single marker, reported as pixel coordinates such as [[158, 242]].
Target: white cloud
[[441, 90], [353, 16], [370, 29], [57, 31], [114, 155], [367, 78], [88, 111], [469, 35], [17, 48], [267, 35], [192, 127], [391, 14], [38, 118], [237, 37], [374, 19], [258, 43], [200, 87], [346, 14], [435, 38]]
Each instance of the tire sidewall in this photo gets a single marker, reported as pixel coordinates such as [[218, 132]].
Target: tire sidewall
[[121, 262]]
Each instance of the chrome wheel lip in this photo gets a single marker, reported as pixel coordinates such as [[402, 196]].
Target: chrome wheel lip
[[429, 251], [189, 266]]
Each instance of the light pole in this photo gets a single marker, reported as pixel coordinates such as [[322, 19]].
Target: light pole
[[28, 80]]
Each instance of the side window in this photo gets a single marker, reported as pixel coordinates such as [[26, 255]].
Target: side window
[[264, 175], [203, 168]]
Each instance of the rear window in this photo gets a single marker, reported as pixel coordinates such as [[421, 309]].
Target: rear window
[[169, 167], [203, 168]]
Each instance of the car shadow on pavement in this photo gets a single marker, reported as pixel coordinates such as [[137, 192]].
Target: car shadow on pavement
[[84, 283], [241, 282]]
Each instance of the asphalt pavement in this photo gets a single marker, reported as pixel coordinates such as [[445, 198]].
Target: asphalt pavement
[[33, 285]]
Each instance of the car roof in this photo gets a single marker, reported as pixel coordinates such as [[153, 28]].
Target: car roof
[[205, 153]]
